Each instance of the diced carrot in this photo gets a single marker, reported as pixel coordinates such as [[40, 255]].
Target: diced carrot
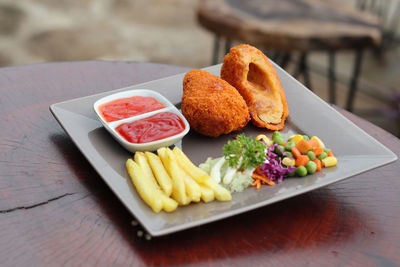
[[313, 143], [296, 153], [318, 151], [330, 154], [303, 146], [302, 160], [319, 164]]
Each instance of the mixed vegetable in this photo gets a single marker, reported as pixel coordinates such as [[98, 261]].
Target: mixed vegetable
[[255, 161]]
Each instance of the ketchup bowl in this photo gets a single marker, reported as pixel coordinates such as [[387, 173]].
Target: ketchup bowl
[[141, 120]]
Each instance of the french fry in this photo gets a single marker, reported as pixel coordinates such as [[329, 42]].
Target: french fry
[[168, 203], [220, 192], [176, 174], [186, 164], [141, 160], [144, 186], [192, 188], [207, 194], [159, 172]]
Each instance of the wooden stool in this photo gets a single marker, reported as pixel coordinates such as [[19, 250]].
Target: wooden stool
[[288, 26]]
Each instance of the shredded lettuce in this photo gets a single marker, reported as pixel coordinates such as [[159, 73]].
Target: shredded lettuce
[[240, 179]]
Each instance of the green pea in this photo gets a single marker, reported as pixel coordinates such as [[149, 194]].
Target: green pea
[[305, 137], [311, 155], [326, 150], [291, 174], [279, 151], [278, 140], [311, 167], [276, 133], [323, 155], [289, 154], [301, 171], [289, 146]]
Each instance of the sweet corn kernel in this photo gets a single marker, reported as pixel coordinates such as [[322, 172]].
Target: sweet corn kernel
[[296, 138], [321, 144], [329, 161], [264, 138], [288, 162]]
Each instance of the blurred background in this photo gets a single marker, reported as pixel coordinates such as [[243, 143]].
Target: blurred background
[[168, 31]]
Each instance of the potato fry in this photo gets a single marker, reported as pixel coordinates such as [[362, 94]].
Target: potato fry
[[207, 194], [141, 160], [186, 164], [192, 188], [220, 192], [168, 203], [159, 172], [178, 185], [144, 187]]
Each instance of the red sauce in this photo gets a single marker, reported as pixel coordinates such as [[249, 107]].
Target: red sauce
[[128, 107], [153, 128]]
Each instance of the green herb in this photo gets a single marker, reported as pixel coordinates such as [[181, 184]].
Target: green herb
[[245, 152]]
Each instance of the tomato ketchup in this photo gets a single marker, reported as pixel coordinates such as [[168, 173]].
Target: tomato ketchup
[[153, 128], [127, 107]]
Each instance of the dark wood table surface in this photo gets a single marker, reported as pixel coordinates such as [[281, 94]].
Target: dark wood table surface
[[56, 210]]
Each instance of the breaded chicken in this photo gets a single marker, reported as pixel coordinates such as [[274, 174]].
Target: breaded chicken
[[248, 70], [211, 105]]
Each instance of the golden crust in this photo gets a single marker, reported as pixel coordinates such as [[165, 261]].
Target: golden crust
[[211, 105], [248, 70]]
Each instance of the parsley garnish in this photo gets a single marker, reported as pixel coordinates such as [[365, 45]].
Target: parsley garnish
[[245, 152]]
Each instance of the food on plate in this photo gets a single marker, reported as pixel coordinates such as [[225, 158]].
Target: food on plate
[[177, 176], [192, 188], [127, 107], [207, 194], [168, 203], [211, 105], [255, 161], [148, 190], [220, 192], [195, 172], [159, 172], [248, 70], [148, 172], [153, 128]]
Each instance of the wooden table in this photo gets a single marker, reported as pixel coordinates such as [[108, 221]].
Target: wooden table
[[56, 210], [294, 26]]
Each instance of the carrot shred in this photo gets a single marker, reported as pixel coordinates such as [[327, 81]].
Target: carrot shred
[[330, 154], [261, 179]]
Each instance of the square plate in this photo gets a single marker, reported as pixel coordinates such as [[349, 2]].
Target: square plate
[[356, 151]]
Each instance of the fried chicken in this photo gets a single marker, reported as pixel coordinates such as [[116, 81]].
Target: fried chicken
[[211, 105], [248, 70]]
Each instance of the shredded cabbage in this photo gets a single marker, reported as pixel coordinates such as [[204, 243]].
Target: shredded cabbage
[[273, 168], [240, 180]]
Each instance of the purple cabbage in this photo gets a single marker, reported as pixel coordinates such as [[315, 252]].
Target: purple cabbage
[[273, 168]]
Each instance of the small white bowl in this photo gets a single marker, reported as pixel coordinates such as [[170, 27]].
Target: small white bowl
[[150, 146]]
